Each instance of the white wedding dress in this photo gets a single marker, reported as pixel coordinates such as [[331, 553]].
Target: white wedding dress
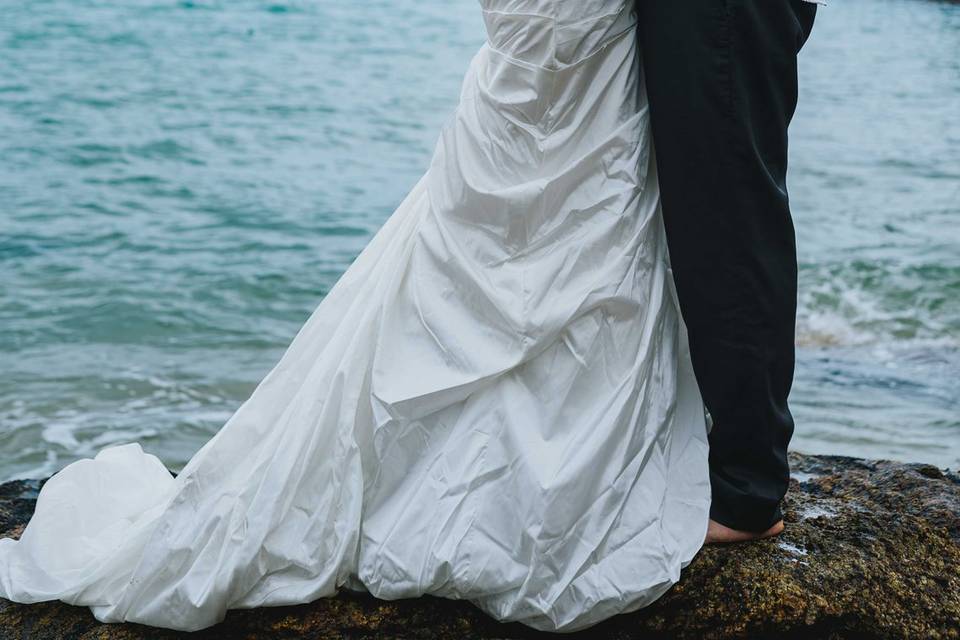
[[494, 403]]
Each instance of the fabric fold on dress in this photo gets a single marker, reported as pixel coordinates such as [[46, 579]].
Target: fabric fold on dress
[[494, 402]]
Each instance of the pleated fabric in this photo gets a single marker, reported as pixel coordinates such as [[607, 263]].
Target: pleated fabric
[[494, 402]]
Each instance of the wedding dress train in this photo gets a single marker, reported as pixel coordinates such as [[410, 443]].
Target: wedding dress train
[[494, 402]]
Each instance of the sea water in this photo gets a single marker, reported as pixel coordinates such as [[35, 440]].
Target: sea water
[[182, 182]]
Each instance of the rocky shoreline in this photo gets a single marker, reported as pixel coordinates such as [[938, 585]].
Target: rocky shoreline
[[871, 550]]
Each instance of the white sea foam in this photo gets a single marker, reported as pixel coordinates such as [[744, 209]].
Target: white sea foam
[[791, 548], [817, 511], [61, 433]]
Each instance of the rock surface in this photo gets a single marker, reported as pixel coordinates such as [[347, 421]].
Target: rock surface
[[871, 550]]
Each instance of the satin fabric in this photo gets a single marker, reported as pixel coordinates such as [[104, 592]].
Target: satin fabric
[[494, 402]]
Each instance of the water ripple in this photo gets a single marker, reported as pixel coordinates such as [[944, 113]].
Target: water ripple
[[182, 182]]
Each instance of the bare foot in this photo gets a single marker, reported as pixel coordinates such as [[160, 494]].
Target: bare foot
[[718, 533]]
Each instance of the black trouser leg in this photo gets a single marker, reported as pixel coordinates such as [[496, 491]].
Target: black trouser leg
[[721, 78]]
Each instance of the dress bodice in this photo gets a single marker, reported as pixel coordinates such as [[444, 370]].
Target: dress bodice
[[554, 33]]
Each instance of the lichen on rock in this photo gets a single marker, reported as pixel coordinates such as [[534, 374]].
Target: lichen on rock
[[871, 550]]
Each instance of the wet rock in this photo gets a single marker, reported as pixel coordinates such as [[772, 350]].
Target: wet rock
[[871, 550]]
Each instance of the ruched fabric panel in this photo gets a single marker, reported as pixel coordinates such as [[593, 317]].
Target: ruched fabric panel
[[494, 402]]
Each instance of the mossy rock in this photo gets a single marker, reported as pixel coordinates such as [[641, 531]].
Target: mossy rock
[[871, 550]]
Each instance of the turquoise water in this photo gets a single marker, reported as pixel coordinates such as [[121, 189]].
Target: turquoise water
[[182, 182]]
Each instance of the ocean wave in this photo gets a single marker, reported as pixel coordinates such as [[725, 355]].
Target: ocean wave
[[868, 302]]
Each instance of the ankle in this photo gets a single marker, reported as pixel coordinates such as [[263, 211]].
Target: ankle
[[720, 533]]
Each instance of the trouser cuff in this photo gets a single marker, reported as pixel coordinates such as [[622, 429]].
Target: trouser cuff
[[745, 515]]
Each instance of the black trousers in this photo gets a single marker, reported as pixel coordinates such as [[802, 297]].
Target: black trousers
[[721, 77]]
